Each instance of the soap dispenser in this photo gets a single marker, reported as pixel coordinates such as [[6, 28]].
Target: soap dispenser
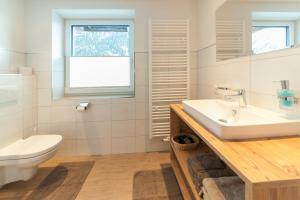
[[286, 96]]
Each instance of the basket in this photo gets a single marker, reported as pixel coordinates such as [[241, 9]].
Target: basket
[[185, 147]]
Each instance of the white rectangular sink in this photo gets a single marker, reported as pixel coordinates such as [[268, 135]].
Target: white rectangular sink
[[227, 121]]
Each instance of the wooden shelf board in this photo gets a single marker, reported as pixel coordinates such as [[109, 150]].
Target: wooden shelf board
[[181, 180], [182, 157]]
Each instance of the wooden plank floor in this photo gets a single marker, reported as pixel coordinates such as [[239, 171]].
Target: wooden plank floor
[[111, 178]]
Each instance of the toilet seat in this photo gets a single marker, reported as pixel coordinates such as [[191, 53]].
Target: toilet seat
[[31, 147], [20, 160]]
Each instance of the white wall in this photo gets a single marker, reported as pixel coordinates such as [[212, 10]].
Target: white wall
[[206, 22], [282, 65], [110, 125], [29, 92], [10, 109], [17, 107], [254, 73], [13, 56], [12, 44], [206, 49]]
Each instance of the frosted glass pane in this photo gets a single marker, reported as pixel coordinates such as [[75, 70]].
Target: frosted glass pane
[[265, 39], [99, 72]]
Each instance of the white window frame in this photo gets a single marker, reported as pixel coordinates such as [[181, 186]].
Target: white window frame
[[289, 24], [98, 91]]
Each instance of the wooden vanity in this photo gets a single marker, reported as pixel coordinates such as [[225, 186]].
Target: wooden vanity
[[270, 168]]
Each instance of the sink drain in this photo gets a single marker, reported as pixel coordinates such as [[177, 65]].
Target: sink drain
[[223, 120]]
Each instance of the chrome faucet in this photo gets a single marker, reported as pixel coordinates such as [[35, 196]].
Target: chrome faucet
[[230, 93]]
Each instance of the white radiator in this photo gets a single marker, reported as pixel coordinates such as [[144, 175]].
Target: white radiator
[[168, 71], [230, 39]]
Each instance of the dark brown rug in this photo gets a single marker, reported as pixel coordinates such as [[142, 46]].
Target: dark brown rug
[[63, 183], [156, 185]]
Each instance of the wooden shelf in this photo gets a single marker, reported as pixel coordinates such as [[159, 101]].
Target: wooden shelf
[[182, 160], [185, 191], [269, 167]]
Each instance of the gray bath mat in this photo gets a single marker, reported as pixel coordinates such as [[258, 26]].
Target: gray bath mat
[[62, 182], [156, 185]]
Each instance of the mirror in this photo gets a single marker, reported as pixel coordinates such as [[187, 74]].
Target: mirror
[[245, 27]]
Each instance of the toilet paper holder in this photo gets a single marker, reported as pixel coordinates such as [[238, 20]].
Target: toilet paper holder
[[82, 106]]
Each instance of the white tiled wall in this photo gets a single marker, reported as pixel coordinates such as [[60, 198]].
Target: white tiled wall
[[29, 106], [10, 109], [12, 57], [256, 74], [109, 125], [230, 73], [17, 108], [265, 69], [11, 60], [12, 44]]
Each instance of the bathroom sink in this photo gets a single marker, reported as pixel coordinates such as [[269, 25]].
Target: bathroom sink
[[228, 121]]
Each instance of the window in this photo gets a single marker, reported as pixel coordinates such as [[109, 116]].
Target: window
[[99, 58], [271, 36]]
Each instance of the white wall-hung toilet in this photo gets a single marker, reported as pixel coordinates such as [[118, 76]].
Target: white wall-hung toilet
[[19, 160]]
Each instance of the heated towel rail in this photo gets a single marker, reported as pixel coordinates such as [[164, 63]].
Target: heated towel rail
[[168, 71]]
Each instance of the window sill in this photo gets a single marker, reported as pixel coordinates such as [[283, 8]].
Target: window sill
[[98, 97]]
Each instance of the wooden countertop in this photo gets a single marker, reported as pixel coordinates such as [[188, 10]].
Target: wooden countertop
[[274, 160]]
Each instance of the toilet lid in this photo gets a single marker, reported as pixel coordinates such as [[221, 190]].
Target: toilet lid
[[31, 147]]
